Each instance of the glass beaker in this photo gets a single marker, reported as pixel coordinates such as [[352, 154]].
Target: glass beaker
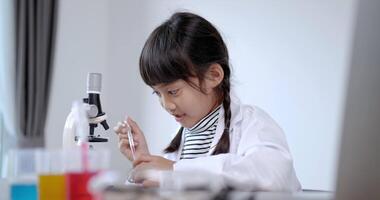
[[22, 174], [51, 177], [80, 168]]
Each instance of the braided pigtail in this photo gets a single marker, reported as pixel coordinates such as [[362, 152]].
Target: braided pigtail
[[223, 145], [175, 143]]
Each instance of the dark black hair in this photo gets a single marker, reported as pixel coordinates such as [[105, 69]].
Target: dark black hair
[[185, 46]]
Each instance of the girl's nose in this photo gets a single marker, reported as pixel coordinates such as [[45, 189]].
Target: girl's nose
[[167, 104]]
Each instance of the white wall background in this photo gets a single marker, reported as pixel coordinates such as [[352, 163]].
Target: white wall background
[[288, 57]]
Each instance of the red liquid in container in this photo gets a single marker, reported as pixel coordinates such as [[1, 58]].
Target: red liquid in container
[[76, 184]]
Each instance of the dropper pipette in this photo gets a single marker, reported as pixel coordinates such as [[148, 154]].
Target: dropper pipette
[[130, 139]]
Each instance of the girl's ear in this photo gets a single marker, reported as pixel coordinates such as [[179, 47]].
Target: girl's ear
[[214, 76]]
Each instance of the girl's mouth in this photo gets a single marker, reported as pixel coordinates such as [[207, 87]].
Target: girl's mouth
[[179, 118]]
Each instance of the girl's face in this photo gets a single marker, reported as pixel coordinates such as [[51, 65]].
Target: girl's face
[[186, 103]]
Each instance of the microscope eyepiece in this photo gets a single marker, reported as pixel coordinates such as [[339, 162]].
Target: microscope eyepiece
[[94, 83]]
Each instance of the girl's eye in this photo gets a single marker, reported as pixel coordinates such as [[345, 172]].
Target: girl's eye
[[157, 93], [173, 92]]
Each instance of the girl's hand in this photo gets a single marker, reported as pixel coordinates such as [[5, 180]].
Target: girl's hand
[[141, 147], [145, 163]]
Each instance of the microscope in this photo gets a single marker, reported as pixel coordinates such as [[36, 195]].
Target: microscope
[[94, 112]]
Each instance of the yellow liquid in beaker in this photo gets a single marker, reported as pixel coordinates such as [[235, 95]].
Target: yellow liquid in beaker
[[52, 187]]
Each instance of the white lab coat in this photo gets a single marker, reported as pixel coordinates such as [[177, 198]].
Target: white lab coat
[[259, 157]]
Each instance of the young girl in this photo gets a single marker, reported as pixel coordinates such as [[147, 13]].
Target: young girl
[[186, 63]]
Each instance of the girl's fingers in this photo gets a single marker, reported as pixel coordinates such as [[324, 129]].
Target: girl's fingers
[[135, 128], [122, 131], [122, 136], [143, 174], [150, 183], [125, 137], [125, 141], [131, 122], [140, 173], [117, 127], [120, 128]]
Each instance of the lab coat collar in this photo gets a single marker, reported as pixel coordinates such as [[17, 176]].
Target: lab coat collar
[[236, 118]]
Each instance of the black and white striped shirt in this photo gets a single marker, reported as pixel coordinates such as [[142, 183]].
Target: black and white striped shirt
[[198, 139]]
